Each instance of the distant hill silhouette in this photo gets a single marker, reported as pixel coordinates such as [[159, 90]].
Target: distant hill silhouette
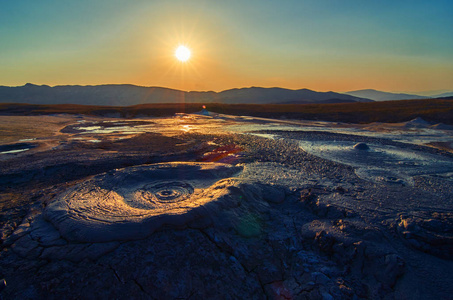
[[443, 95], [258, 95], [383, 96], [125, 95]]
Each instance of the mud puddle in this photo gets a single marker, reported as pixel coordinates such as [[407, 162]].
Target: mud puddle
[[382, 163], [16, 148]]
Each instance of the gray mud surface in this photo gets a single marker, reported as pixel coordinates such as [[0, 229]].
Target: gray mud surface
[[184, 208]]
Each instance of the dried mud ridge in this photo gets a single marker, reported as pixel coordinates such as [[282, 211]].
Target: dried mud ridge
[[274, 223]]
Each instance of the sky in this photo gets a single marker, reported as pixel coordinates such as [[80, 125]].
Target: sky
[[323, 45]]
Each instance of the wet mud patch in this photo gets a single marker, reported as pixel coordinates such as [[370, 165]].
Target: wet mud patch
[[375, 160], [148, 142], [380, 162], [224, 154], [104, 127], [16, 148]]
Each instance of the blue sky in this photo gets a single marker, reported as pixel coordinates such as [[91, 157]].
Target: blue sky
[[321, 45]]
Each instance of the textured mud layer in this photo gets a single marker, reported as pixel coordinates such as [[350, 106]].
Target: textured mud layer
[[131, 203], [149, 212]]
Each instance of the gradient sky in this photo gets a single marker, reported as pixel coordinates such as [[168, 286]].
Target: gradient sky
[[340, 45]]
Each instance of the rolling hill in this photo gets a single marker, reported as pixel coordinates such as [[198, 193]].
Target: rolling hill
[[126, 95], [383, 96]]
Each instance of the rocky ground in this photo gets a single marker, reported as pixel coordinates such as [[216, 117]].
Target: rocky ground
[[281, 224]]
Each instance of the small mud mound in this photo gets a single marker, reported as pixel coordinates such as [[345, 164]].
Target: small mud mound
[[430, 233], [131, 203], [417, 123], [361, 146]]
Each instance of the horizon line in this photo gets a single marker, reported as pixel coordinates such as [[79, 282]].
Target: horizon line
[[234, 88]]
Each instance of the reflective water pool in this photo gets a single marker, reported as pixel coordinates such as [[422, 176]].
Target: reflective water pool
[[384, 163]]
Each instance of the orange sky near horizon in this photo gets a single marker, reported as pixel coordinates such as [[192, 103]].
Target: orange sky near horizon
[[292, 45]]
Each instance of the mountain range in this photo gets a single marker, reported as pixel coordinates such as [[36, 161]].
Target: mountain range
[[125, 95], [383, 96], [448, 94], [386, 96]]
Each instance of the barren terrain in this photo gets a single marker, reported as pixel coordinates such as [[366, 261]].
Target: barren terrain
[[209, 206]]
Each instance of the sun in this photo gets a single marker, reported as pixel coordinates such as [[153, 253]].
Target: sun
[[182, 53]]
